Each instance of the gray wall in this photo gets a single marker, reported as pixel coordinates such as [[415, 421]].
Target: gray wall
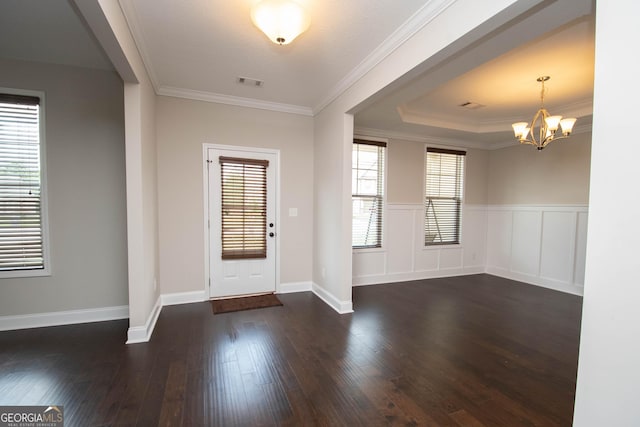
[[559, 174], [86, 189], [405, 173], [183, 126]]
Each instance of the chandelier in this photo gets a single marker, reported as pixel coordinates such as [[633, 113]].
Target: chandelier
[[281, 20], [544, 127]]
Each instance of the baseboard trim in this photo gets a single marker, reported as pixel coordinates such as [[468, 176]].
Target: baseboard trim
[[556, 285], [177, 298], [292, 287], [416, 275], [342, 307], [59, 318], [141, 334]]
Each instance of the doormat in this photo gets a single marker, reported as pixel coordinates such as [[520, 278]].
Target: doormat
[[244, 303]]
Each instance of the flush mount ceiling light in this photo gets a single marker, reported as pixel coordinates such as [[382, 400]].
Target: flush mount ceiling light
[[543, 124], [281, 20]]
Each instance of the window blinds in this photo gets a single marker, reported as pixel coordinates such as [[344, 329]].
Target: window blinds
[[244, 208], [21, 241], [367, 193], [443, 196]]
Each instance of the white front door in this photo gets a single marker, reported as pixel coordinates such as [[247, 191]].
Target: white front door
[[242, 221]]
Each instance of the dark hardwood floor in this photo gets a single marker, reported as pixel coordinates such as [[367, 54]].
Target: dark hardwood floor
[[466, 351]]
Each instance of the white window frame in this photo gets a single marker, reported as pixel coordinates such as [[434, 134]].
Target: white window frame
[[46, 271], [383, 232], [462, 200]]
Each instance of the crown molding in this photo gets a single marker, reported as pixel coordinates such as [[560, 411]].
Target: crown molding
[[233, 100], [387, 135], [503, 144], [416, 22], [577, 109], [128, 10], [369, 137], [131, 18], [448, 142]]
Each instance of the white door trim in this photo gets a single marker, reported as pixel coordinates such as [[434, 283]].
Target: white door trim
[[205, 212]]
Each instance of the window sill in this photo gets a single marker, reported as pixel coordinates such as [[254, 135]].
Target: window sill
[[367, 250], [16, 274], [448, 246]]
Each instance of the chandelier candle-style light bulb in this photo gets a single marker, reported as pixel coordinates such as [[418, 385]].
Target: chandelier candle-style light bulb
[[544, 125], [519, 130], [281, 20], [553, 122], [567, 126]]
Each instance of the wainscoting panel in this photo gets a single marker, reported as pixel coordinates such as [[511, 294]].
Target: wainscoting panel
[[525, 242], [404, 256], [450, 259], [474, 235], [558, 246], [541, 245], [499, 229], [400, 240], [369, 263], [427, 259]]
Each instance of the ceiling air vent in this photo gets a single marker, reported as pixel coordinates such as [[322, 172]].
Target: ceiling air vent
[[249, 82], [469, 105]]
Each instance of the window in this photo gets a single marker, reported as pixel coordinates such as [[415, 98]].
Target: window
[[244, 208], [22, 207], [443, 196], [367, 183]]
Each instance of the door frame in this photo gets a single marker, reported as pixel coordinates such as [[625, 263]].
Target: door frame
[[205, 216]]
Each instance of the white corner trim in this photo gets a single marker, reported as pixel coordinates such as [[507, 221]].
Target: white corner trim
[[417, 21], [69, 317], [292, 287], [233, 100], [140, 334], [183, 298], [342, 307]]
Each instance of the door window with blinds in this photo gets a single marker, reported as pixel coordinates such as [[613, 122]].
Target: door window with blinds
[[444, 172], [367, 183], [244, 208], [22, 207]]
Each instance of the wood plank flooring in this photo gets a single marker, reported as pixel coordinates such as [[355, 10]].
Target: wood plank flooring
[[465, 351]]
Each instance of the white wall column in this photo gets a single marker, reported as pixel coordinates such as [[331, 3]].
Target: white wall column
[[608, 369]]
